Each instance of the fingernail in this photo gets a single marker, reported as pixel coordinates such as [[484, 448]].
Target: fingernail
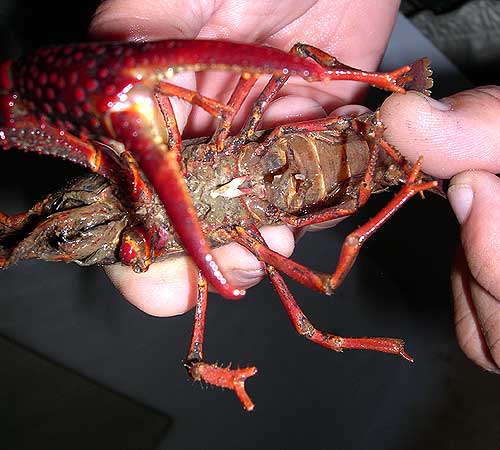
[[249, 276], [461, 197], [441, 105]]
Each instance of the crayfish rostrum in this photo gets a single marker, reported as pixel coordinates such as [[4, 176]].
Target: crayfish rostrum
[[107, 107]]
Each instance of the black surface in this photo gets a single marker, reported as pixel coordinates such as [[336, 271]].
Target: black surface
[[44, 406], [410, 7], [306, 396]]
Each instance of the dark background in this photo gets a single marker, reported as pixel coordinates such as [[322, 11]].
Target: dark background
[[81, 368]]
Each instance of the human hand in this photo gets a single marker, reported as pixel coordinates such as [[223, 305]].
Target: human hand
[[355, 31], [460, 138]]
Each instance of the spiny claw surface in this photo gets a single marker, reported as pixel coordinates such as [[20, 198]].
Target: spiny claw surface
[[418, 78], [225, 377]]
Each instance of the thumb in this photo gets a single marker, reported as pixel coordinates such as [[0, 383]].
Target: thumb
[[149, 20], [475, 198], [458, 133]]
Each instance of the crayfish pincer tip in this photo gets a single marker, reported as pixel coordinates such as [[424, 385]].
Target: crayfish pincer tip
[[230, 292], [214, 276], [406, 355], [419, 77]]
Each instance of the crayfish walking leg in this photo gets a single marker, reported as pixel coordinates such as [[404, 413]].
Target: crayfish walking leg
[[128, 110], [326, 283], [331, 341], [415, 77], [199, 370]]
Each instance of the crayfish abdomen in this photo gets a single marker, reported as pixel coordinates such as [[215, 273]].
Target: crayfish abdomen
[[107, 107]]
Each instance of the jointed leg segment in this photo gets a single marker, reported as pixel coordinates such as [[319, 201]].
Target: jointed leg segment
[[174, 195], [331, 341], [199, 370], [327, 283], [252, 240]]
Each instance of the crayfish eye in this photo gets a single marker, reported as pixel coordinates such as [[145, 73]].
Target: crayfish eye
[[133, 251]]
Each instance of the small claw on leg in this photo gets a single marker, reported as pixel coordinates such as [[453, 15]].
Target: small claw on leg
[[393, 346], [405, 355], [226, 378], [418, 78]]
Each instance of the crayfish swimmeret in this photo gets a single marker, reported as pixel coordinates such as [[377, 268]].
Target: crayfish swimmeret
[[107, 107]]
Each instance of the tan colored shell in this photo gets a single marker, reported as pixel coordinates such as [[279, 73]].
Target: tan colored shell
[[299, 172]]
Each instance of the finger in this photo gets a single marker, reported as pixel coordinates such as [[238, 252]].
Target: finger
[[458, 133], [469, 298], [475, 198], [344, 27], [118, 19], [241, 20], [290, 109], [168, 288], [149, 20], [146, 20]]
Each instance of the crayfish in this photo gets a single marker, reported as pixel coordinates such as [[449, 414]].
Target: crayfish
[[107, 107]]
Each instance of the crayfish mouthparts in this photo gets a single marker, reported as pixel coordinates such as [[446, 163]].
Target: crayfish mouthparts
[[106, 106]]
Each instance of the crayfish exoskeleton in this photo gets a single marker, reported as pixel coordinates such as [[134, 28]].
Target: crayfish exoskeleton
[[107, 107]]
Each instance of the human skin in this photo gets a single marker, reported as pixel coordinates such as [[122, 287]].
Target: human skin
[[340, 27], [458, 138]]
